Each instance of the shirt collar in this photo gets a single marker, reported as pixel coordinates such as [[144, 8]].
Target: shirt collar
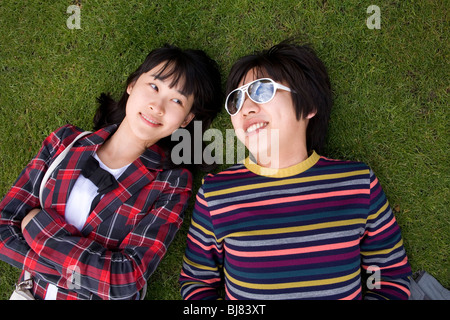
[[283, 172], [152, 157]]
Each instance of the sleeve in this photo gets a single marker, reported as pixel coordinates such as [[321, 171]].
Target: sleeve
[[201, 274], [24, 196], [383, 255], [85, 265]]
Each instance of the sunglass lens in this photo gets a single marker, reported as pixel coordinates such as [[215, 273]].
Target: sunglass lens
[[234, 101], [261, 91]]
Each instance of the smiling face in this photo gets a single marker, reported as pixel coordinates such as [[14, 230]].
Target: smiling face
[[271, 130], [155, 110]]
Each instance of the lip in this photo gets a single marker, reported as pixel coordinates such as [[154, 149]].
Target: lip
[[150, 121], [253, 126]]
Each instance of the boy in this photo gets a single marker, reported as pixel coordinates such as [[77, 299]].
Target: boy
[[290, 224]]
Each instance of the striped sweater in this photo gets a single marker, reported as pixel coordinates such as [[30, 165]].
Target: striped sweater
[[322, 229]]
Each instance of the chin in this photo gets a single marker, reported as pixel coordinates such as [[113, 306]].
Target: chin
[[264, 152]]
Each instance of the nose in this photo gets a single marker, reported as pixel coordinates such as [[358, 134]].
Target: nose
[[249, 107], [157, 106]]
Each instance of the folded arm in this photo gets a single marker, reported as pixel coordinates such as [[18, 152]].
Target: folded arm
[[109, 274]]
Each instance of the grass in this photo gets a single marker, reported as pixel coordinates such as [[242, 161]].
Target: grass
[[391, 90]]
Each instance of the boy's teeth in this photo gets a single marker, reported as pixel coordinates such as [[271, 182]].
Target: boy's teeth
[[256, 126]]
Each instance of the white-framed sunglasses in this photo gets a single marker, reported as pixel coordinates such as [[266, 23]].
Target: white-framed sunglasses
[[259, 91]]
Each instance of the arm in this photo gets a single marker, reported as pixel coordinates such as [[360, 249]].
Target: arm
[[201, 272], [383, 254], [22, 198], [110, 274]]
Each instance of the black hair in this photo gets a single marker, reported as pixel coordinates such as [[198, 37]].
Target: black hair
[[200, 77], [305, 74]]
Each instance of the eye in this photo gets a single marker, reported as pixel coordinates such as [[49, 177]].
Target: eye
[[154, 87], [178, 101]]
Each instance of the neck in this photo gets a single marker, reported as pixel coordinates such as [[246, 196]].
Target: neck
[[119, 150], [282, 153]]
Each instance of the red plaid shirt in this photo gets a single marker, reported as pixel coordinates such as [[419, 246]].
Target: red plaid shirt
[[124, 237]]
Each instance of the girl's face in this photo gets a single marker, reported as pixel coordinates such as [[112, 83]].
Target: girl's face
[[154, 110]]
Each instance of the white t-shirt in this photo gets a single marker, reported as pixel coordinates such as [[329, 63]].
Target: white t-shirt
[[79, 204]]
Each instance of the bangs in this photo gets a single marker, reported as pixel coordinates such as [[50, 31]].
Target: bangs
[[180, 67], [180, 77], [260, 67]]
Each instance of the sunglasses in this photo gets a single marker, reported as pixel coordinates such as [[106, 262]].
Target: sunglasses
[[259, 91]]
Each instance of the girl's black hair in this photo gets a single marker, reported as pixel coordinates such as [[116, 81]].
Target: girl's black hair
[[200, 77], [305, 74]]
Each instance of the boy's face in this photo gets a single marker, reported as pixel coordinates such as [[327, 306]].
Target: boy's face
[[271, 130]]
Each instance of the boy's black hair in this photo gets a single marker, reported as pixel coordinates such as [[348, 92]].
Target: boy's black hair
[[199, 76], [304, 73]]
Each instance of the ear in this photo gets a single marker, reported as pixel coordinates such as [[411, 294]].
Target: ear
[[130, 87], [187, 120], [311, 114]]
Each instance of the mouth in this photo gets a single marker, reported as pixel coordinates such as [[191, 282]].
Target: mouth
[[150, 121], [255, 127]]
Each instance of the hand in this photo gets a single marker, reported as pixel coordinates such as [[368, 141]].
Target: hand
[[28, 217]]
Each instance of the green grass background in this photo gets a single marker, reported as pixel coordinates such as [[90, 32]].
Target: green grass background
[[391, 90]]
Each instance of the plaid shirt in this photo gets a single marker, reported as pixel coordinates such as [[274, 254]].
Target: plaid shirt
[[124, 237]]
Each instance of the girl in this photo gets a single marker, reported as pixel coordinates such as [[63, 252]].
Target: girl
[[94, 241]]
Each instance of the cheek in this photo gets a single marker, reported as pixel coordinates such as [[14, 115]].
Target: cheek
[[236, 123], [238, 129], [174, 117], [133, 101], [129, 106]]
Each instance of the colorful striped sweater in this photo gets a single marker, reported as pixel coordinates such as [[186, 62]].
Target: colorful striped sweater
[[322, 229]]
